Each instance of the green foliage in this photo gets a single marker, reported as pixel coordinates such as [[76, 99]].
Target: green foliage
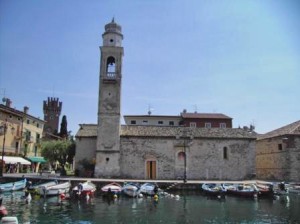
[[61, 151], [64, 127]]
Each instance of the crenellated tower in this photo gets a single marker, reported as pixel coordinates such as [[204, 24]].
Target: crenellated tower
[[109, 105], [52, 110]]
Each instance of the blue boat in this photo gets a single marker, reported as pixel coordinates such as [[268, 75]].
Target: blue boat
[[13, 186]]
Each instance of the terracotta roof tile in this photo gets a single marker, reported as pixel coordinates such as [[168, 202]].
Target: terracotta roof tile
[[90, 130], [205, 115], [290, 129]]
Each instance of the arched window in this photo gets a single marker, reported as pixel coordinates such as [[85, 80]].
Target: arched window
[[225, 155], [111, 67], [181, 156]]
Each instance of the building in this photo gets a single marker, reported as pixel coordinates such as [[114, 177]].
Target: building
[[199, 120], [278, 154], [52, 110], [158, 147], [206, 120], [21, 133], [158, 120]]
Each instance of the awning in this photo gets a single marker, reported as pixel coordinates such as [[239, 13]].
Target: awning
[[15, 160], [37, 159]]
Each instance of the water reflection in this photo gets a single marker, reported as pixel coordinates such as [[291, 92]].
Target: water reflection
[[190, 208]]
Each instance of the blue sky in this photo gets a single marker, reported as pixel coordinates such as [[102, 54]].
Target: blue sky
[[240, 58]]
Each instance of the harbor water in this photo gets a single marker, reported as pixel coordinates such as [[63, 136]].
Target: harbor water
[[191, 207]]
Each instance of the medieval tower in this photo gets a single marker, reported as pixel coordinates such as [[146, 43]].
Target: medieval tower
[[52, 109], [109, 105]]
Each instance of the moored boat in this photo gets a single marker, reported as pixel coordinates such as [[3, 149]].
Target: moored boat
[[242, 190], [13, 186], [213, 189], [61, 188], [131, 189], [113, 188], [84, 189], [265, 190], [35, 189], [293, 188], [10, 220], [149, 189]]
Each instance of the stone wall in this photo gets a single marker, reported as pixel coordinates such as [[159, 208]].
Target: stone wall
[[85, 149], [204, 158], [278, 159]]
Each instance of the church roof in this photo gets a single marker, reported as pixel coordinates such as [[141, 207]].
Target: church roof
[[90, 130], [87, 131], [155, 131], [290, 129]]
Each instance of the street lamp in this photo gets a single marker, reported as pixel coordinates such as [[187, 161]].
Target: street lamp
[[4, 126]]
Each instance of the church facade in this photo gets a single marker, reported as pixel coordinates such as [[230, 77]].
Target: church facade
[[156, 151]]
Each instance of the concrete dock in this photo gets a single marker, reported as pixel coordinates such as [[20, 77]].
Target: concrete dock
[[99, 182]]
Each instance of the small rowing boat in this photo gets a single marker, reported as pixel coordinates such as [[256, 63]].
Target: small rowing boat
[[13, 186], [61, 188]]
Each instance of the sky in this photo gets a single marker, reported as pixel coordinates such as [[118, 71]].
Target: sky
[[239, 58]]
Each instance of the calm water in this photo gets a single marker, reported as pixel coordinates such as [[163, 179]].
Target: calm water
[[190, 208]]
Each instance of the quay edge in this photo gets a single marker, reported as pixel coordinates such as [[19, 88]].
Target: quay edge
[[99, 182]]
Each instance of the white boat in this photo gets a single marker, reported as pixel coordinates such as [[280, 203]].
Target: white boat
[[149, 189], [83, 189], [112, 187], [131, 189], [35, 189], [56, 189], [294, 189], [9, 219]]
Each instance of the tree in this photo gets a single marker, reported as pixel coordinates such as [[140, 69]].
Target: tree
[[64, 127], [62, 151]]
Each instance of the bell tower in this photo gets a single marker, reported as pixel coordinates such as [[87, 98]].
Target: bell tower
[[109, 105]]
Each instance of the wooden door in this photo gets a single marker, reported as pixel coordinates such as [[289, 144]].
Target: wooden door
[[151, 169]]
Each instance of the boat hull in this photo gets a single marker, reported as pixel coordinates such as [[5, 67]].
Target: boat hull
[[57, 189], [13, 186]]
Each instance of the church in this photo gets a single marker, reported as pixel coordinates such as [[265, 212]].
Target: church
[[170, 150]]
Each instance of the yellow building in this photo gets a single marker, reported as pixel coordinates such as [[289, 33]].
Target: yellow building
[[20, 132]]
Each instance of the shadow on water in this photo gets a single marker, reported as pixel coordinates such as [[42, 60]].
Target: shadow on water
[[190, 207]]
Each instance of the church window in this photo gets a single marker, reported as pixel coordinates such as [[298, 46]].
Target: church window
[[279, 146], [225, 155], [181, 156]]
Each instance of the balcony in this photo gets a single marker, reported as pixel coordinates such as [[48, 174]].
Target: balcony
[[110, 77]]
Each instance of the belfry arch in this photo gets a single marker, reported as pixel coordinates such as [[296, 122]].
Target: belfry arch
[[111, 65]]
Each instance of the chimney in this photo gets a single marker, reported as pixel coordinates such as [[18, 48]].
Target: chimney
[[8, 102], [26, 109]]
